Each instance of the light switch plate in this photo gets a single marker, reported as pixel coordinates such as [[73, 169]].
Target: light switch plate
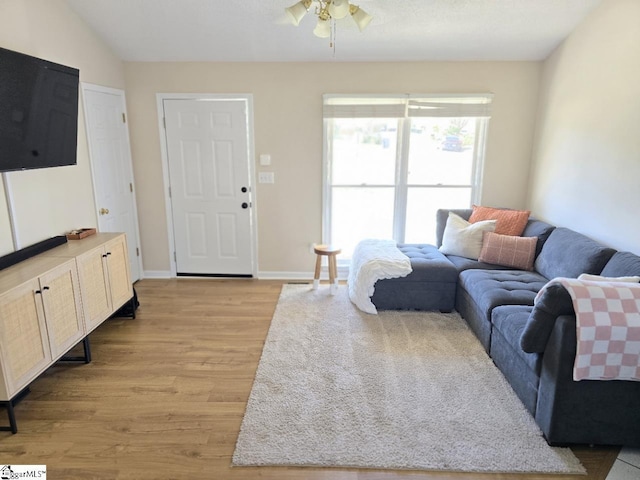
[[265, 159], [266, 177]]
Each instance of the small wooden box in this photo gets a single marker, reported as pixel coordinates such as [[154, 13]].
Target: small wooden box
[[80, 233]]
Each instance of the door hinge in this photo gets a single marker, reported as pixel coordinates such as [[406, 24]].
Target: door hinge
[[131, 187], [169, 191], [137, 252], [124, 118], [175, 257], [164, 122]]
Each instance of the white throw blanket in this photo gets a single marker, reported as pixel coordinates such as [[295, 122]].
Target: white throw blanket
[[374, 260]]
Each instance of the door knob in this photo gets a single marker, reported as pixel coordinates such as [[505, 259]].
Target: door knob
[[104, 211], [245, 205]]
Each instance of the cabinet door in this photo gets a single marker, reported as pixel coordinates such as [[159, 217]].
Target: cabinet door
[[23, 336], [94, 286], [62, 308], [119, 275]]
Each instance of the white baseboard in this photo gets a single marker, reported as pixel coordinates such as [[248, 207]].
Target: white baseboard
[[157, 274], [285, 276], [343, 272]]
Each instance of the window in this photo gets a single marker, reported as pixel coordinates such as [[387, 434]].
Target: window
[[391, 161]]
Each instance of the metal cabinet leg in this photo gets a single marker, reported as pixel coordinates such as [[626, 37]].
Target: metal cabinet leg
[[12, 418], [133, 307], [13, 426], [87, 349], [87, 353], [9, 405]]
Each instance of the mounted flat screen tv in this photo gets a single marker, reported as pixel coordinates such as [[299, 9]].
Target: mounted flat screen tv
[[38, 112]]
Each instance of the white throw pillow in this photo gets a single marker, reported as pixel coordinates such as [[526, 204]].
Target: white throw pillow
[[598, 278], [464, 239]]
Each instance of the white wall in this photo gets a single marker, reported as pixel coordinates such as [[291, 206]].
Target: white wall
[[586, 164], [49, 202], [288, 125]]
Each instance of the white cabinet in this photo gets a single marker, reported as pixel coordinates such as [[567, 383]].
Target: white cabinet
[[51, 302]]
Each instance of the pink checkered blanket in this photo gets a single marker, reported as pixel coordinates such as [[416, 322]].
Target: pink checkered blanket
[[608, 328]]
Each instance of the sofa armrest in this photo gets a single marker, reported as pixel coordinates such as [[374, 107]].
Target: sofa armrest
[[584, 412], [553, 302]]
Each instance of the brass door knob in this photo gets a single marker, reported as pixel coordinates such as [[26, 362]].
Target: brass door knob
[[104, 211]]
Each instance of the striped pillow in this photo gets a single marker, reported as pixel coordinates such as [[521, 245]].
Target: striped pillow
[[508, 250]]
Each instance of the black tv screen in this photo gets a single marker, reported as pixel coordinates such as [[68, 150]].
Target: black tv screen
[[38, 112]]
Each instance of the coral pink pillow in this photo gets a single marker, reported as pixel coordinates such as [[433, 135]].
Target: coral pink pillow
[[508, 250], [509, 222]]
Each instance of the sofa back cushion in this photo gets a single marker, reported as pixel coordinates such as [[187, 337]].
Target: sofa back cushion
[[540, 229], [622, 264], [567, 253]]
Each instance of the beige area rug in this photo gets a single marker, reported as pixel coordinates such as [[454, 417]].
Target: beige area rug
[[337, 387]]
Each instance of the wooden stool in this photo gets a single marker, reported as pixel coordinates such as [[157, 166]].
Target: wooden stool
[[330, 252]]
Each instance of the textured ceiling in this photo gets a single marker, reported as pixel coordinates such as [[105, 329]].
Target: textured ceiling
[[401, 30]]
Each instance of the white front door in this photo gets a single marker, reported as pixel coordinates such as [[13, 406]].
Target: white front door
[[208, 158], [110, 153]]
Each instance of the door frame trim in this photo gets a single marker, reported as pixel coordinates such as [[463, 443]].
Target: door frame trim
[[247, 97], [84, 86]]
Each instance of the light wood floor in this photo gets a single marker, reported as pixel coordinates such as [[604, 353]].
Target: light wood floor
[[165, 395]]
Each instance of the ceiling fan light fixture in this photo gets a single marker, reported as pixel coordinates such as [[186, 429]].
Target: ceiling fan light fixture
[[328, 11], [298, 10], [359, 16], [323, 28], [338, 8]]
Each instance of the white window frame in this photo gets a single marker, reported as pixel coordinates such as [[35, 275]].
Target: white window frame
[[401, 185]]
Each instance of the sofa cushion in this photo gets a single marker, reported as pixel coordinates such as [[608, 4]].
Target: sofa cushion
[[490, 288], [522, 370], [427, 264], [622, 264], [462, 263], [568, 254], [552, 302], [463, 238], [510, 321], [508, 222], [431, 285], [508, 250], [540, 229]]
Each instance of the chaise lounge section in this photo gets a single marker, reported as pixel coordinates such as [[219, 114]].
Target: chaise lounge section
[[430, 286]]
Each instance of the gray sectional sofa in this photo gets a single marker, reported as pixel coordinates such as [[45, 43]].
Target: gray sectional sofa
[[533, 346]]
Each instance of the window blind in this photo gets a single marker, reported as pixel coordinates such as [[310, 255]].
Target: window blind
[[476, 106]]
